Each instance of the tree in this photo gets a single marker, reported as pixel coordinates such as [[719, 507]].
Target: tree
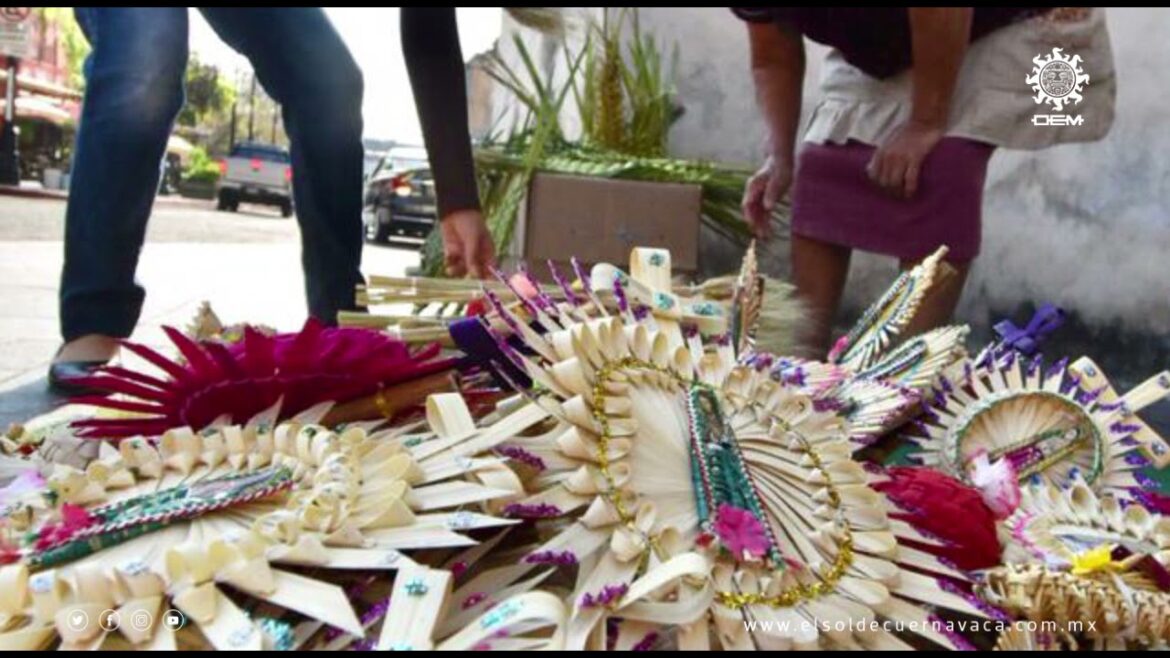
[[209, 94], [77, 48]]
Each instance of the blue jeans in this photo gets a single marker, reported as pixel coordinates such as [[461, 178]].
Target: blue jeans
[[134, 91]]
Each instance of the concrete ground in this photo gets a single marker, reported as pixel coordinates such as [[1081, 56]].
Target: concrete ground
[[246, 264]]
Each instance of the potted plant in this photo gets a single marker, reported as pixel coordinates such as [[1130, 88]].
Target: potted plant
[[626, 106], [200, 175]]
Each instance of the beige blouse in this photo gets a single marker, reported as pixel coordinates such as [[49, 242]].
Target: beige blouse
[[993, 102]]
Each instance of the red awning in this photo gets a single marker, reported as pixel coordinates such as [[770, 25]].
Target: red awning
[[45, 88], [38, 107]]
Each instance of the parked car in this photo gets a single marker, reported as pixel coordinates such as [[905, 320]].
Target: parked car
[[400, 197], [256, 173]]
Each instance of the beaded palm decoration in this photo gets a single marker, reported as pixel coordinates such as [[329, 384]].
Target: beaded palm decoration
[[869, 407], [153, 525], [873, 383], [705, 493], [885, 319], [880, 398], [1046, 423], [746, 302], [1091, 566], [417, 619], [107, 525]]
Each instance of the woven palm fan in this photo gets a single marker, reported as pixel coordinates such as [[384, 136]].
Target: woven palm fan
[[421, 608], [883, 321], [765, 314], [1022, 639], [871, 350], [417, 609], [1050, 424], [705, 494], [1089, 565], [887, 379], [436, 303], [315, 365], [869, 407], [874, 383], [148, 527]]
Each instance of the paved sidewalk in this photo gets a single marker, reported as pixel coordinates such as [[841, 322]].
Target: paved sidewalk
[[30, 191], [256, 278]]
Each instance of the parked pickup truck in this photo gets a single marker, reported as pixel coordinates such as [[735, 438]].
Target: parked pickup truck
[[256, 173]]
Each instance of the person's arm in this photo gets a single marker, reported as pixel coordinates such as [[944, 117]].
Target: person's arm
[[939, 38], [778, 62], [434, 62]]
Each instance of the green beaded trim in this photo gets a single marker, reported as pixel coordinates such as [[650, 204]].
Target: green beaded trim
[[829, 578], [663, 301], [718, 471], [903, 360], [116, 523], [705, 309], [867, 330]]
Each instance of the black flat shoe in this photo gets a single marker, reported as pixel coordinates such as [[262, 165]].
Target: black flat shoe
[[62, 372]]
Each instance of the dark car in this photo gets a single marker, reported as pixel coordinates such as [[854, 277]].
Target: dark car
[[400, 197]]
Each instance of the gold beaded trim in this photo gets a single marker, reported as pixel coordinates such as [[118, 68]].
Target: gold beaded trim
[[830, 577], [383, 406]]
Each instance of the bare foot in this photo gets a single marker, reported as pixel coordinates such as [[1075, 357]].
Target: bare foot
[[91, 347]]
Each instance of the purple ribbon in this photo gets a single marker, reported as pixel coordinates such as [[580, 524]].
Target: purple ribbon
[[481, 349], [1047, 319]]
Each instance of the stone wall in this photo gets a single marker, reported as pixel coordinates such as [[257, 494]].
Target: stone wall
[[1084, 226]]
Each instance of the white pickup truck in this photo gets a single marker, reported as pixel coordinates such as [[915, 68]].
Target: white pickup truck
[[256, 173]]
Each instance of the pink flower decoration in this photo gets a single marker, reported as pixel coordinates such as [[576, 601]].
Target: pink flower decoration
[[998, 482], [73, 520], [741, 532], [839, 347], [76, 517], [523, 286]]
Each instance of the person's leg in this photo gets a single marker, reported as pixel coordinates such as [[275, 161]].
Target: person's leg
[[304, 65], [134, 91], [939, 306], [819, 270]]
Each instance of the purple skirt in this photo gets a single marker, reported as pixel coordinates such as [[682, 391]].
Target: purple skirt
[[834, 201]]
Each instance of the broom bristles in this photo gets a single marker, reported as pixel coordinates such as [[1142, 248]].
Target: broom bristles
[[784, 323]]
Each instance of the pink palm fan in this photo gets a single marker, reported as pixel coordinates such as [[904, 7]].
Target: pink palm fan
[[316, 364]]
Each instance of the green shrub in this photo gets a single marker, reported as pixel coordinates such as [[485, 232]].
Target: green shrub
[[200, 167], [204, 176]]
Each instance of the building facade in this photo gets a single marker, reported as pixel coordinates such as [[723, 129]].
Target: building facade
[[47, 106]]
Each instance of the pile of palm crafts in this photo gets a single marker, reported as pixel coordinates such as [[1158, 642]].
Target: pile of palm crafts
[[624, 103], [612, 462]]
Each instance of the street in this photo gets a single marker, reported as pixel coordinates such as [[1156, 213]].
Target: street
[[247, 264]]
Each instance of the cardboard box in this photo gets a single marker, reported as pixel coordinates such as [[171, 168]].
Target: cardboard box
[[601, 220]]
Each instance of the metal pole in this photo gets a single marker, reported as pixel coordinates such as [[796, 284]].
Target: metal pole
[[252, 110], [9, 148], [275, 115], [10, 91], [232, 139]]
